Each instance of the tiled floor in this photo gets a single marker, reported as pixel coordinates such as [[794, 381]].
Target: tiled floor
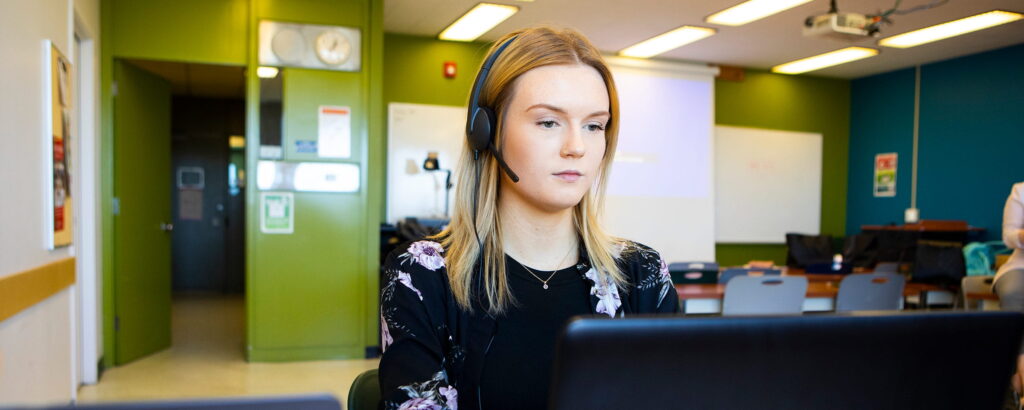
[[206, 360]]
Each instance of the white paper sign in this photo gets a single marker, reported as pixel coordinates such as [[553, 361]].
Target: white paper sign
[[335, 132], [277, 212]]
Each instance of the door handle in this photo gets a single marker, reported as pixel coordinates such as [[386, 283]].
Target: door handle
[[166, 227]]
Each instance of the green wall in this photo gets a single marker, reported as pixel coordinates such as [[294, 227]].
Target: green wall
[[793, 103], [413, 69], [311, 294]]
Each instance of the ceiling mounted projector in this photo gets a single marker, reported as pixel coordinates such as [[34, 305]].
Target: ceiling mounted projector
[[842, 26]]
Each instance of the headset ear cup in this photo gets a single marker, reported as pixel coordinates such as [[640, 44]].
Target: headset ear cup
[[481, 133]]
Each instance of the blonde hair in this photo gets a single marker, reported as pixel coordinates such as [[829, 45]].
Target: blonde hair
[[532, 48]]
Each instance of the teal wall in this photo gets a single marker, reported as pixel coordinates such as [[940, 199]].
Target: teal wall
[[970, 139], [792, 103], [311, 294]]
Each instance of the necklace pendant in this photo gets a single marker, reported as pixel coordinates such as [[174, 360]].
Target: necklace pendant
[[545, 286]]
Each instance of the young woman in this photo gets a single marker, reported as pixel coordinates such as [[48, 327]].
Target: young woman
[[469, 318], [1009, 281]]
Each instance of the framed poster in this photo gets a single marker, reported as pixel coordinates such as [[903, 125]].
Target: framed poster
[[57, 116], [885, 175]]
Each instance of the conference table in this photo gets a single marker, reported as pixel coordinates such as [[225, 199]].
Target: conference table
[[821, 294]]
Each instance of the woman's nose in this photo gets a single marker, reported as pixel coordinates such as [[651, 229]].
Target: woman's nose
[[573, 146]]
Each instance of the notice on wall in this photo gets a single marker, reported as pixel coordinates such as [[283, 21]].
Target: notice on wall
[[190, 205], [885, 175], [334, 132], [277, 212], [58, 131]]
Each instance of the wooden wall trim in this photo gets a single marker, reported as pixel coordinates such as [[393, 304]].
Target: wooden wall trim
[[24, 289]]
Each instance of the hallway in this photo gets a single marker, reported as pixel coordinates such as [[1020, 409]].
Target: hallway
[[206, 360]]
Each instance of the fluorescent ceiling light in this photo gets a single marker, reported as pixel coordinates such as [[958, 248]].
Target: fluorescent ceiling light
[[667, 41], [266, 72], [829, 59], [477, 21], [746, 12], [950, 29]]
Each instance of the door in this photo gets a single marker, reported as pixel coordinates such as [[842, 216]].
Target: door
[[199, 212], [142, 241]]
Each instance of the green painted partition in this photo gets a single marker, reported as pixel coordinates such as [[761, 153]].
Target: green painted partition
[[311, 294]]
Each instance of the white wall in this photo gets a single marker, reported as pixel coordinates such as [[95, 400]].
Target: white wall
[[37, 346]]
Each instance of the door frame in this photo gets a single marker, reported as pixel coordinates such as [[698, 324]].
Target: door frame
[[88, 346]]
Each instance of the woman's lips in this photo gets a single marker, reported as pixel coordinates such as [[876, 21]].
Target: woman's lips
[[569, 176]]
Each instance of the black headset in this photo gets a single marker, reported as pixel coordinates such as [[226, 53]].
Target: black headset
[[482, 121]]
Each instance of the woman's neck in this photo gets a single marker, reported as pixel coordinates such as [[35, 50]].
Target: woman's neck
[[541, 240]]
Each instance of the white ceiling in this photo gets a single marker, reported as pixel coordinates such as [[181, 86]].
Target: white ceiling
[[615, 24]]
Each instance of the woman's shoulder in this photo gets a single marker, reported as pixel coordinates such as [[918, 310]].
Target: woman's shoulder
[[632, 251], [639, 260], [421, 261]]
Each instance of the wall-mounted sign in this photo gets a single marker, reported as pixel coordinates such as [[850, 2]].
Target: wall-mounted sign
[[277, 212], [885, 175], [334, 132]]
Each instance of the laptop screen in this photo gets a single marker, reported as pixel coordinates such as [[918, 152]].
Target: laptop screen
[[951, 360]]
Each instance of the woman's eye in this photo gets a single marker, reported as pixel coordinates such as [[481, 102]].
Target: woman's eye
[[547, 124], [595, 127]]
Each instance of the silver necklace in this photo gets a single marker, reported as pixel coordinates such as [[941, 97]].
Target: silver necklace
[[545, 281]]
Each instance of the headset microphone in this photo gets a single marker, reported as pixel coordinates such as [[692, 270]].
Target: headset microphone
[[482, 121]]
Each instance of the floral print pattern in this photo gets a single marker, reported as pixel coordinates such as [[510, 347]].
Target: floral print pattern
[[425, 253], [429, 396], [606, 291], [406, 280], [385, 334]]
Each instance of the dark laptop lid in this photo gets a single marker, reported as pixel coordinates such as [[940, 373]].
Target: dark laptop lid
[[856, 361]]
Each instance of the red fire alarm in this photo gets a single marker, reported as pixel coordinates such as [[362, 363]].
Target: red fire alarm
[[449, 69]]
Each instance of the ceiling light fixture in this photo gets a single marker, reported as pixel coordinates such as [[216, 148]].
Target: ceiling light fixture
[[829, 59], [667, 41], [477, 21], [746, 12], [950, 29]]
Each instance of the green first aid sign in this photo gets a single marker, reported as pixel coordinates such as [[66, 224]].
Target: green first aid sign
[[277, 212]]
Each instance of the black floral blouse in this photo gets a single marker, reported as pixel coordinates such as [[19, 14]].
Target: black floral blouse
[[434, 350]]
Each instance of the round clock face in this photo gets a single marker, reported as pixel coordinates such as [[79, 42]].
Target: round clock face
[[332, 47], [288, 46]]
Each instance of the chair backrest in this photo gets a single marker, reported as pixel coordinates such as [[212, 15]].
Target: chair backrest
[[887, 267], [693, 272], [734, 272], [939, 262], [804, 249], [870, 291], [765, 295], [975, 284], [365, 391]]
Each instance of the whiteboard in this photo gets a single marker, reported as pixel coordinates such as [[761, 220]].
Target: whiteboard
[[413, 131], [767, 183]]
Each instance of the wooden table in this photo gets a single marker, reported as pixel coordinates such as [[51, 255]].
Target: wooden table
[[820, 297]]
